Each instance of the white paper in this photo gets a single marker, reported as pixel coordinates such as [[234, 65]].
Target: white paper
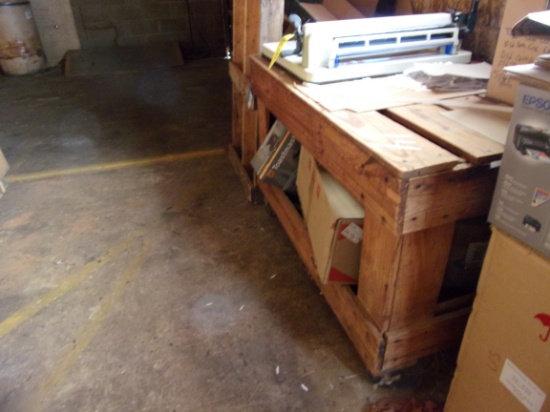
[[473, 70], [530, 71], [523, 388]]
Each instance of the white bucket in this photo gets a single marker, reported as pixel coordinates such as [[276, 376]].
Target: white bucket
[[20, 47]]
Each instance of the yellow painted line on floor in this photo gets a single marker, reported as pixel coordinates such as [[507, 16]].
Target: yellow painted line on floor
[[31, 309], [87, 333], [113, 166]]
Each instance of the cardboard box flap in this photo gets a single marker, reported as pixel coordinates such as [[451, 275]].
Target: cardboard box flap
[[341, 202], [332, 10], [534, 24], [318, 12], [366, 7], [329, 10], [530, 74]]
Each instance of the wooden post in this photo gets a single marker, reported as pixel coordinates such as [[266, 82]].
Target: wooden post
[[401, 275], [254, 23]]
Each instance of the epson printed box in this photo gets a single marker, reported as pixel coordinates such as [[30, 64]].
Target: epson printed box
[[521, 202]]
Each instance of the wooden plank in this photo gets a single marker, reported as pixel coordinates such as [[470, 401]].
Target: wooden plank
[[239, 80], [416, 341], [238, 55], [263, 121], [403, 151], [250, 135], [362, 332], [472, 100], [429, 121], [271, 29], [252, 27], [422, 265], [450, 305], [448, 197], [244, 119], [380, 254], [400, 275]]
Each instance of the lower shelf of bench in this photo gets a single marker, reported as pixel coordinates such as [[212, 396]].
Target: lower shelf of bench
[[381, 351]]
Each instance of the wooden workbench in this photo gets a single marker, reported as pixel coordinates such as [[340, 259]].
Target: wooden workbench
[[412, 201]]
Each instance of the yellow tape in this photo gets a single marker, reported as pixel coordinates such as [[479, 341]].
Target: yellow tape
[[282, 42], [90, 329], [113, 166]]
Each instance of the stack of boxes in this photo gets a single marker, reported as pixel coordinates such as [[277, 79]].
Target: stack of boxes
[[504, 360]]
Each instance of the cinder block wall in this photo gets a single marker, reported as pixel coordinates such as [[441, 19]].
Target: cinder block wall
[[198, 25]]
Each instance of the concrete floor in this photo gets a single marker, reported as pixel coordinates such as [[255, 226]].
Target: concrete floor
[[135, 281]]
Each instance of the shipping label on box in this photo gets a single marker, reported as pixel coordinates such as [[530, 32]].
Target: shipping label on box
[[521, 203]]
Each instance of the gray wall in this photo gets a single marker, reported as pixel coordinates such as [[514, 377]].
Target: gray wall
[[197, 25]]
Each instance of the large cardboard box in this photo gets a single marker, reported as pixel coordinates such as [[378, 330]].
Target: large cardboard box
[[328, 10], [513, 50], [504, 359], [521, 203], [334, 220]]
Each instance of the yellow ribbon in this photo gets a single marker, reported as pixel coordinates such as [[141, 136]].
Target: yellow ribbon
[[280, 48]]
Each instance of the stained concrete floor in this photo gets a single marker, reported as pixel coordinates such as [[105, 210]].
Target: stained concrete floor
[[135, 277]]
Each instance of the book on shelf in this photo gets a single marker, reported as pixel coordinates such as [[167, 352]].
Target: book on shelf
[[276, 161]]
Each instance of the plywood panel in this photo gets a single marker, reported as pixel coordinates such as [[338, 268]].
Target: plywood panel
[[429, 121]]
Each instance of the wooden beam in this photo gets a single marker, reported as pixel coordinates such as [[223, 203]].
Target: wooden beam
[[442, 198], [407, 345], [238, 54], [428, 120]]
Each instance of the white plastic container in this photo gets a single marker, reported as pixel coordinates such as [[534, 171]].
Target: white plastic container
[[20, 47]]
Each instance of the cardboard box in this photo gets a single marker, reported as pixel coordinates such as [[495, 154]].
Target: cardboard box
[[334, 220], [512, 50], [332, 10], [329, 10], [534, 24], [521, 202], [504, 359]]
